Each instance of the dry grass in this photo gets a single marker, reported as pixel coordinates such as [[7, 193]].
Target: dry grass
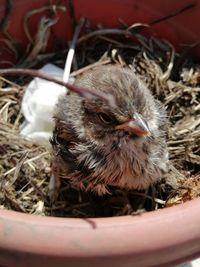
[[25, 167]]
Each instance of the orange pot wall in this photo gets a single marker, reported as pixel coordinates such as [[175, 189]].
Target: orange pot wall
[[181, 29], [162, 238]]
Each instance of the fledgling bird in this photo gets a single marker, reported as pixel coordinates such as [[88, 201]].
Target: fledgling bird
[[96, 145]]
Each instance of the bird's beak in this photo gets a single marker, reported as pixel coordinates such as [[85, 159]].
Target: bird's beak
[[136, 126]]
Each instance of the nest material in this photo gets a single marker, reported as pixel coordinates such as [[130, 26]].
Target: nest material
[[25, 167]]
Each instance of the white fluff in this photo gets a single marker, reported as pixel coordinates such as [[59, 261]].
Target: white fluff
[[38, 105]]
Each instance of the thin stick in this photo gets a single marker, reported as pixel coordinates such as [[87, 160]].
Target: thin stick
[[71, 51], [91, 66], [7, 13], [25, 162], [119, 44], [137, 25], [10, 83], [175, 13], [84, 92], [105, 32], [53, 8], [167, 73]]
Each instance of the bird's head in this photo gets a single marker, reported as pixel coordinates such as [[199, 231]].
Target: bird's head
[[135, 115]]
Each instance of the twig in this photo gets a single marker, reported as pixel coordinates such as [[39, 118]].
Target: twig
[[119, 44], [19, 166], [4, 110], [10, 83], [167, 73], [84, 92], [37, 189], [41, 39], [137, 25], [175, 13], [53, 8], [71, 51], [25, 162], [104, 32], [8, 11], [72, 12], [91, 66], [10, 46]]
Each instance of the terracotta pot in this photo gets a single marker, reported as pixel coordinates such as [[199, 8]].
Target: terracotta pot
[[162, 238]]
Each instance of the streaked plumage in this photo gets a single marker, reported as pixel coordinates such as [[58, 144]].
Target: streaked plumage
[[96, 145]]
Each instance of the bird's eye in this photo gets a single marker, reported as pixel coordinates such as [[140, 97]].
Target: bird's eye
[[105, 118]]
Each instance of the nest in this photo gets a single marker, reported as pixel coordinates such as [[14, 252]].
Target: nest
[[174, 79]]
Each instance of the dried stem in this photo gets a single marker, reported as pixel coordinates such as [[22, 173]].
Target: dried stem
[[71, 51], [84, 92], [127, 33], [174, 14], [91, 66], [53, 8]]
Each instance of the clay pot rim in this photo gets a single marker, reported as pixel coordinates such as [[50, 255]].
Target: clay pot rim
[[38, 219], [175, 228]]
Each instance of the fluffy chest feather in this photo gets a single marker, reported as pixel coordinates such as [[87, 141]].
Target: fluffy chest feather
[[129, 165]]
